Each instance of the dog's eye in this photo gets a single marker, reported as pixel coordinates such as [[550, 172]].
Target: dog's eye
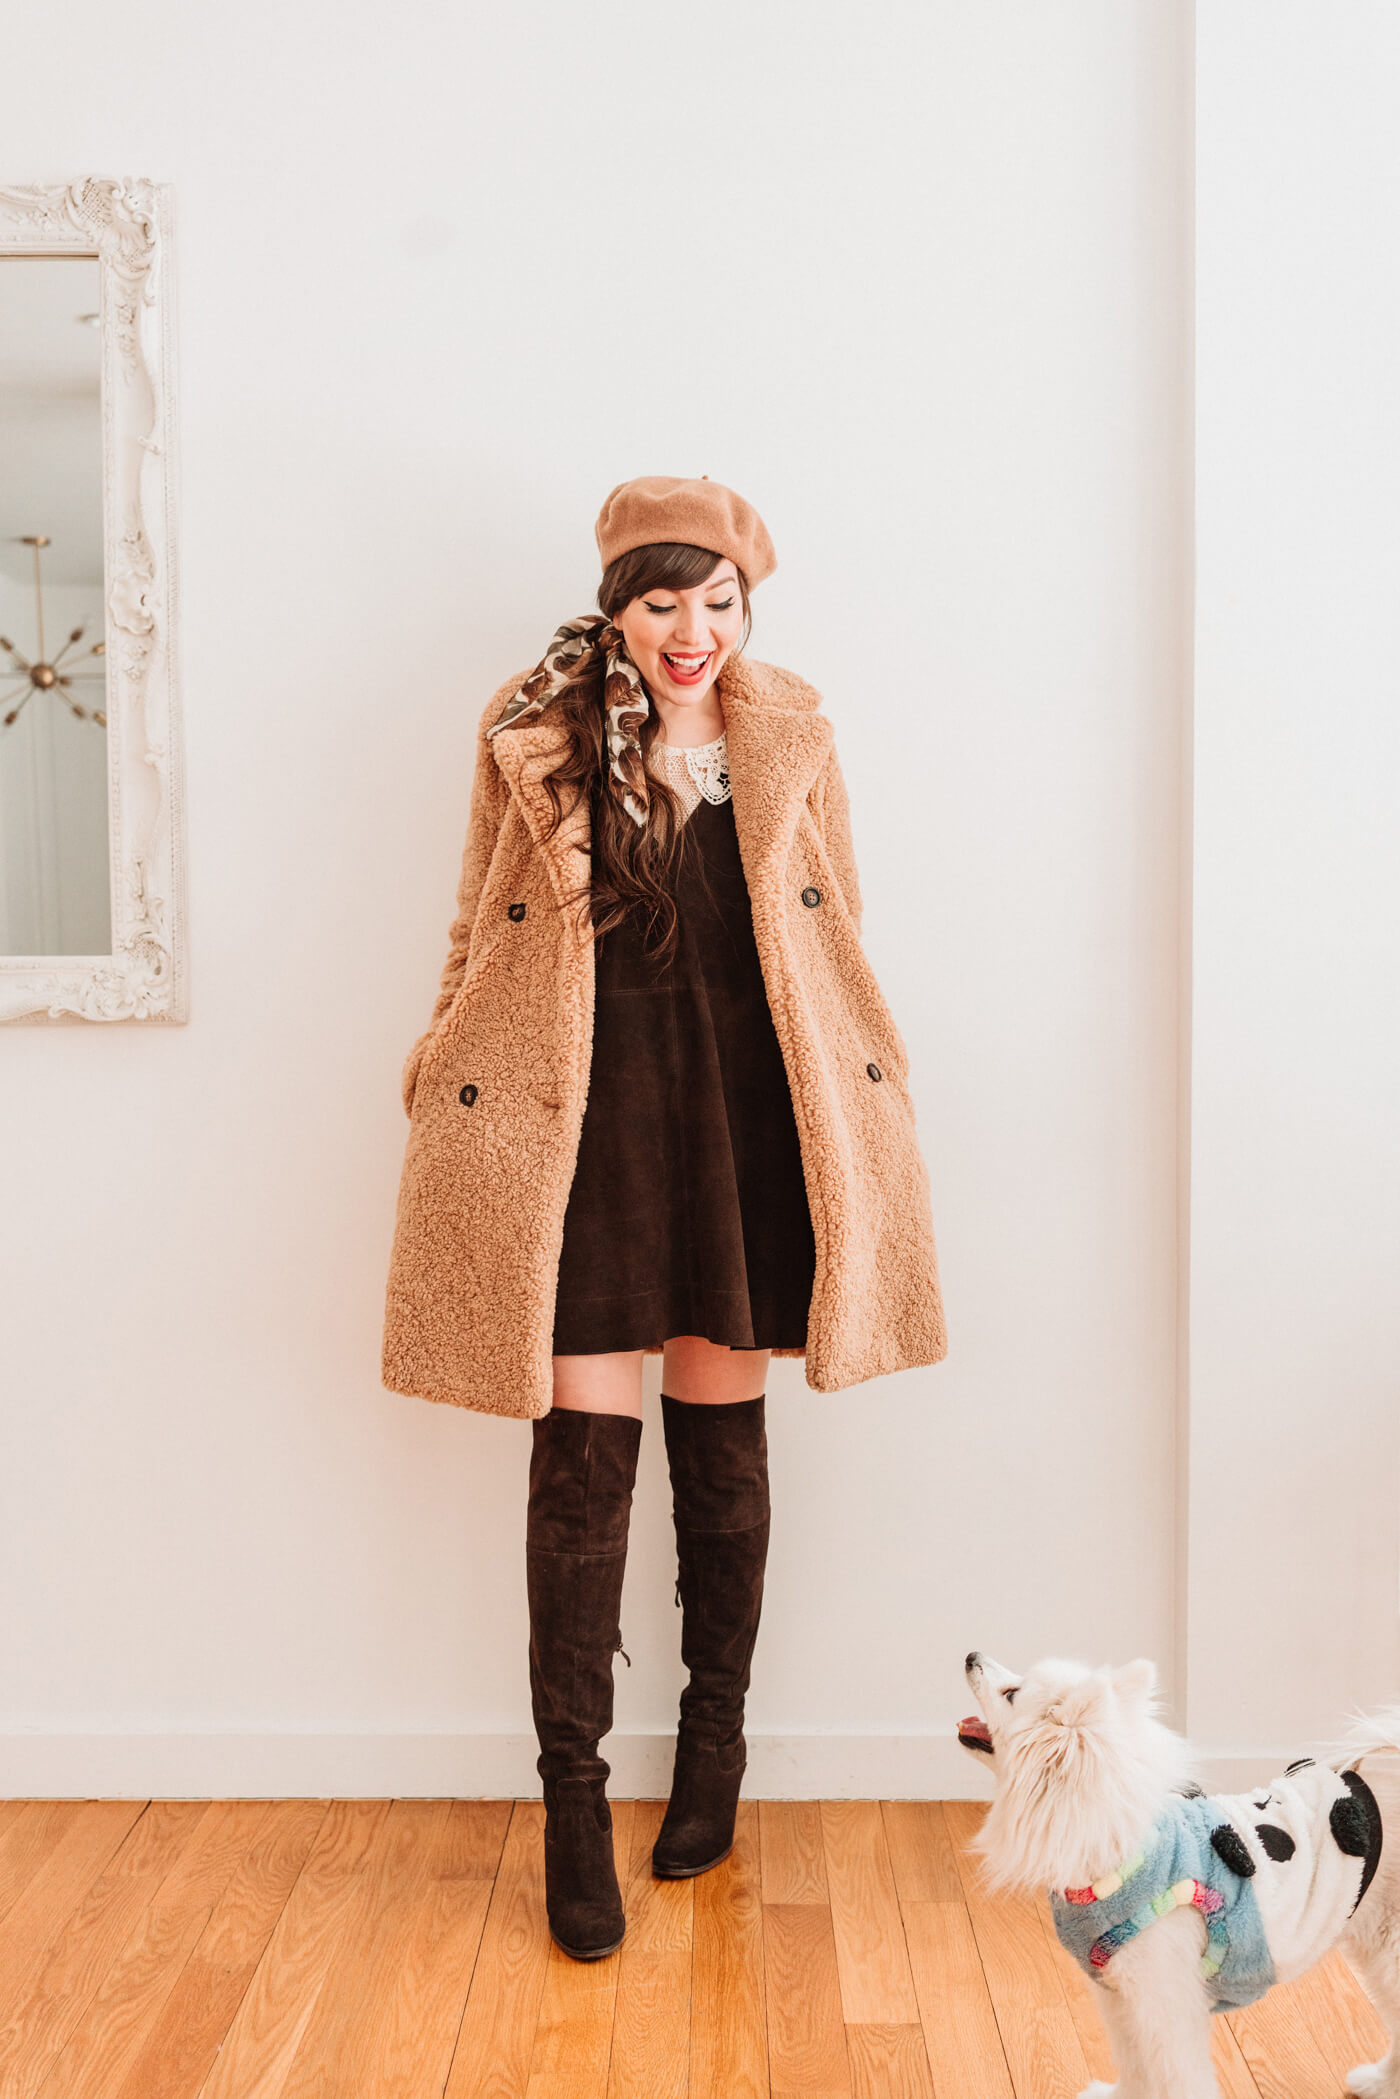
[[1009, 1694]]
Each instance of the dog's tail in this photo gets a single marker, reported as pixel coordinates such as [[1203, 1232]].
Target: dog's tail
[[1367, 1733]]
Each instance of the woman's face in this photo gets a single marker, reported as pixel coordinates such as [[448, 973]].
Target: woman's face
[[679, 639]]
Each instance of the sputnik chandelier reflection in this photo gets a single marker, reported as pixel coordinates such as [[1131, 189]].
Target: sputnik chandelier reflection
[[19, 684]]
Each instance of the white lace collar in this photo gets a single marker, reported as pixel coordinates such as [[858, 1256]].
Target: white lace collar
[[696, 772]]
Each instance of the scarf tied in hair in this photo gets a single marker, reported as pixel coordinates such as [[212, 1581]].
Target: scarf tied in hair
[[579, 647]]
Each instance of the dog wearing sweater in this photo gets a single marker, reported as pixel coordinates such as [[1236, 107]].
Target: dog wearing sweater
[[1178, 1903]]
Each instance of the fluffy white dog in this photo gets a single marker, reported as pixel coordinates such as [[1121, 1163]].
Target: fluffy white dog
[[1176, 1903]]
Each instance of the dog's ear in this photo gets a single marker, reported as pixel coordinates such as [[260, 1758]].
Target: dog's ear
[[1135, 1682], [1080, 1705]]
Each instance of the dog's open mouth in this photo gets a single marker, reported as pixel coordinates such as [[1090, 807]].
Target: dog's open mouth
[[975, 1734]]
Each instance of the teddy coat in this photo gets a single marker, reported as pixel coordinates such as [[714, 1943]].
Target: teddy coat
[[495, 1087]]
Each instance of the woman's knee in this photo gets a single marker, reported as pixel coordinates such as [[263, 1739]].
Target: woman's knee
[[702, 1373], [603, 1384]]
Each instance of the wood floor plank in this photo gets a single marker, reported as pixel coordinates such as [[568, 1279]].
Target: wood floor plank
[[27, 1840], [921, 1851], [497, 2036], [178, 2052], [256, 2058], [573, 2038], [427, 1955], [1340, 2016], [342, 2036], [807, 2057], [889, 2062], [573, 2035], [651, 2021], [85, 1845], [1043, 2050], [660, 1913], [1277, 2043], [389, 2024], [476, 1835], [792, 1860], [728, 2038], [75, 1962], [1232, 2071], [877, 1988], [955, 2009], [108, 2037]]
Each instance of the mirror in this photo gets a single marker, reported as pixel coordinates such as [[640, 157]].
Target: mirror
[[91, 802], [55, 884]]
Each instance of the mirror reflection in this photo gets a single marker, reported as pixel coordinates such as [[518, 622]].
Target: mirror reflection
[[55, 888]]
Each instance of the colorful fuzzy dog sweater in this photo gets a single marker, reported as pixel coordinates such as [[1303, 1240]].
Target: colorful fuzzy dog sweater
[[1275, 1875]]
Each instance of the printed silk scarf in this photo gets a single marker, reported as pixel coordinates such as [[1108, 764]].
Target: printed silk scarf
[[577, 647]]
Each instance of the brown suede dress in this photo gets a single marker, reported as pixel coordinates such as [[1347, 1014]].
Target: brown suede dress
[[688, 1211]]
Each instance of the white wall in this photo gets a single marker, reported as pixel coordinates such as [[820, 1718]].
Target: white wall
[[1295, 1211], [932, 265]]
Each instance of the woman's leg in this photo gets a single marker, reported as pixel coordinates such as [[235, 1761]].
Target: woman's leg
[[702, 1375], [712, 1411], [609, 1384], [582, 1469]]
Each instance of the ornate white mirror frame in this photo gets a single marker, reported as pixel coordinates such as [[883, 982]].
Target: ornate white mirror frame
[[125, 224]]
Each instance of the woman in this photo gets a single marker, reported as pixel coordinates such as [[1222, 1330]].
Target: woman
[[660, 1107]]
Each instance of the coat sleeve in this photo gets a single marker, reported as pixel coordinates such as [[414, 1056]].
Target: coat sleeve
[[834, 820], [489, 798]]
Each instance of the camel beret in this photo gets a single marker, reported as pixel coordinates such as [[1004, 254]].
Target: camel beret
[[663, 509]]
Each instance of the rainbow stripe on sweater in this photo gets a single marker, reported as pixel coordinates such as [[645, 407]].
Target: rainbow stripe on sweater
[[1182, 1894]]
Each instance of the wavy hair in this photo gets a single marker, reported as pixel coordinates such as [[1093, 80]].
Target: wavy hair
[[632, 864]]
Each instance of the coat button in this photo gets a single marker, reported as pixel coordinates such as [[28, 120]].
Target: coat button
[[515, 912], [467, 1096], [874, 1071], [811, 898]]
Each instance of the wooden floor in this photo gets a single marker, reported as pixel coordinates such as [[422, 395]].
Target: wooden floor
[[377, 1950]]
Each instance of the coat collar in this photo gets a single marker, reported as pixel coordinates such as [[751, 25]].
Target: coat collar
[[778, 742], [525, 755]]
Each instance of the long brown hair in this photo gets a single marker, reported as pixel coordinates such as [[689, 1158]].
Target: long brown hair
[[631, 862]]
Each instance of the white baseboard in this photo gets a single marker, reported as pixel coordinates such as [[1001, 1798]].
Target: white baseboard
[[297, 1766]]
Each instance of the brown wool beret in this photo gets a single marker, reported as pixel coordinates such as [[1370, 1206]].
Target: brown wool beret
[[662, 508]]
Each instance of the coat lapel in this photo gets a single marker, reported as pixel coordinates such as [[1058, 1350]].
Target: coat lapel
[[778, 743], [525, 756]]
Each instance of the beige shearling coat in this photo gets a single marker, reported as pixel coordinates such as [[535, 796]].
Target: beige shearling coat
[[495, 1088]]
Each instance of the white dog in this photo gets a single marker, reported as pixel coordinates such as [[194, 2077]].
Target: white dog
[[1178, 1904]]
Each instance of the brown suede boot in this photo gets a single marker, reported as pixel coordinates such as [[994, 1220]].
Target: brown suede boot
[[719, 1481], [582, 1470]]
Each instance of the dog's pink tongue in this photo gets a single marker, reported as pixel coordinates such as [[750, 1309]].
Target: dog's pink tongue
[[977, 1727]]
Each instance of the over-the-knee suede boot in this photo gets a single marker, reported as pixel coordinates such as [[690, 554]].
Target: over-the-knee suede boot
[[582, 1470], [719, 1479]]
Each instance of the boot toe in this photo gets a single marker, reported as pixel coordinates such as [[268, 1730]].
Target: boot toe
[[682, 1861], [586, 1936]]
